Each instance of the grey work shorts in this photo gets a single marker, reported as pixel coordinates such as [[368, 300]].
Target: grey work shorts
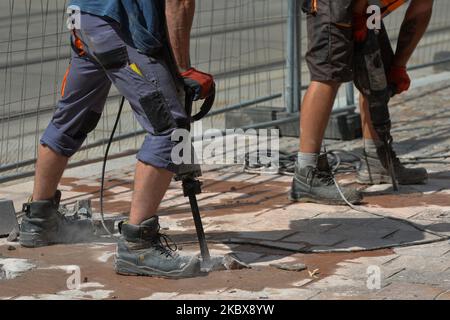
[[148, 83]]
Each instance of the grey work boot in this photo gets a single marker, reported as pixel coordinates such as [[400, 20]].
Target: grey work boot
[[144, 251], [43, 225], [316, 185], [373, 170]]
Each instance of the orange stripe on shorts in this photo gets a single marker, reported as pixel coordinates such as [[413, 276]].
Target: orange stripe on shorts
[[64, 82]]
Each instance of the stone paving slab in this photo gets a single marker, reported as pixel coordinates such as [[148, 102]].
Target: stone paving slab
[[408, 291]]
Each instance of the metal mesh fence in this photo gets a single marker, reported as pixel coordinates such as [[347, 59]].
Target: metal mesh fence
[[241, 42]]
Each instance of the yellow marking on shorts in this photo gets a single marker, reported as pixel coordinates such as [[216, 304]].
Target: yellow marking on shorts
[[136, 69]]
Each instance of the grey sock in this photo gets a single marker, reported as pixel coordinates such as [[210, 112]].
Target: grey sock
[[370, 146], [307, 159]]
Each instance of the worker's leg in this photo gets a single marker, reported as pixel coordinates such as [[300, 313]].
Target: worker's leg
[[329, 58], [315, 114], [151, 89], [154, 97], [79, 110], [150, 185], [84, 93], [50, 167]]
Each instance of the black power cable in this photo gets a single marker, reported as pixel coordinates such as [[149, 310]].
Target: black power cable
[[105, 160]]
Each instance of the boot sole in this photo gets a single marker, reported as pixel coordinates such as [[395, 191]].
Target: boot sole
[[373, 179], [32, 240], [126, 268], [309, 199]]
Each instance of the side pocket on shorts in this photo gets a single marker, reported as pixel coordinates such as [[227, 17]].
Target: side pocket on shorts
[[157, 112], [89, 124], [113, 59], [318, 39]]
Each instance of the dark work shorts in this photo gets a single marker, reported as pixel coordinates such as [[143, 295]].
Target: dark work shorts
[[330, 39]]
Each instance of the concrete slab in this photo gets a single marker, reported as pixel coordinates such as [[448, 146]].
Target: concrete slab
[[408, 291]]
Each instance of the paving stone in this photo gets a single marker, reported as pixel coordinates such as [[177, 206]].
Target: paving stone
[[338, 283], [316, 239], [375, 234], [408, 291], [357, 268], [403, 237], [436, 250], [441, 279], [162, 296], [297, 267], [269, 293], [283, 245], [267, 260], [436, 214], [419, 263], [342, 296], [439, 227], [378, 189], [291, 213], [362, 244], [264, 235], [313, 225], [345, 215], [446, 255], [387, 273], [248, 257], [406, 212], [302, 283], [390, 224]]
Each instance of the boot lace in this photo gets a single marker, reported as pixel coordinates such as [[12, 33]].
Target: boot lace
[[165, 245], [325, 177]]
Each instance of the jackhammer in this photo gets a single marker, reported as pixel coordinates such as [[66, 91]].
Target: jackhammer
[[188, 175], [371, 80]]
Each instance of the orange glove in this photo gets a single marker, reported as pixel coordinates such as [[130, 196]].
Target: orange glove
[[201, 84], [359, 27], [400, 78]]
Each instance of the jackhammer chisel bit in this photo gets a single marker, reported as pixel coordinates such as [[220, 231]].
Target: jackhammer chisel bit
[[192, 187]]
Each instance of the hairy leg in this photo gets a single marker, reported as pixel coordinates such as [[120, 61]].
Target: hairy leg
[[315, 114], [150, 186], [50, 167]]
